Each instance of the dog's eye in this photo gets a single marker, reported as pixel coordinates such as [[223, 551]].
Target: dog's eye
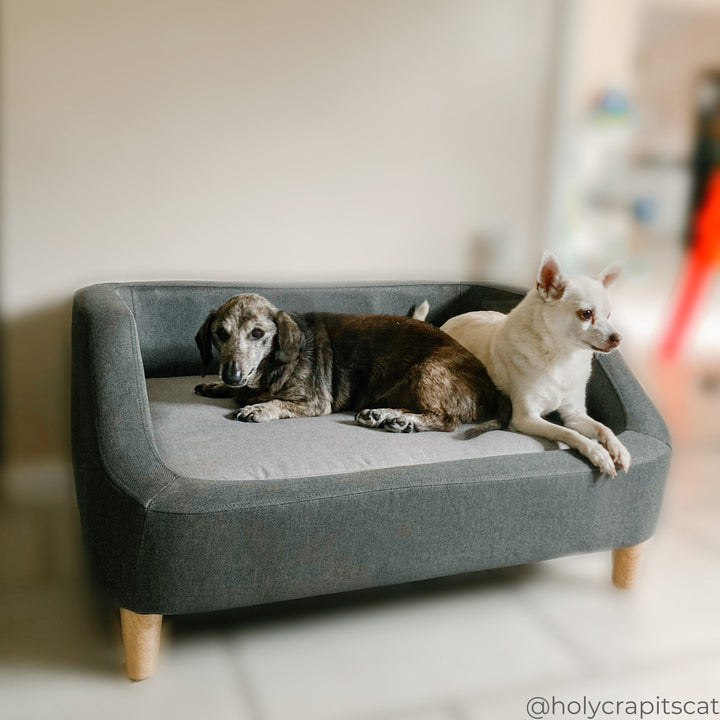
[[257, 333], [222, 334], [585, 314]]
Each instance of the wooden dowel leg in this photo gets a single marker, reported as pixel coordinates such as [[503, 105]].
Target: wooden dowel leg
[[626, 561], [141, 638]]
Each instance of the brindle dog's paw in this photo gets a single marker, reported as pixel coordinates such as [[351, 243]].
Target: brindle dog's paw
[[247, 414], [400, 425], [212, 389], [371, 418], [255, 413]]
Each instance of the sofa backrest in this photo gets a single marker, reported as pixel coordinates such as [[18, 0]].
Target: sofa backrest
[[168, 314]]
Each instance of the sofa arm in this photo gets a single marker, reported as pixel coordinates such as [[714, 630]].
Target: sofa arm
[[111, 425], [616, 398]]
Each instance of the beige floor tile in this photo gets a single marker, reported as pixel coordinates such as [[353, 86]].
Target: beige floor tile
[[422, 652], [670, 614], [196, 680], [440, 714], [620, 695]]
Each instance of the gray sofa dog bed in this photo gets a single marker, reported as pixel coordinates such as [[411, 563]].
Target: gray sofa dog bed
[[185, 511]]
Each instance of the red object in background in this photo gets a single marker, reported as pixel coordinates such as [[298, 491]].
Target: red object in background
[[703, 258]]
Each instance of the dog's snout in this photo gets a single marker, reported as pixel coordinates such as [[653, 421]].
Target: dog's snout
[[231, 373], [614, 339]]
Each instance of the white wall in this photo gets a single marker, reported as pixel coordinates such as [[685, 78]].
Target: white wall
[[276, 140]]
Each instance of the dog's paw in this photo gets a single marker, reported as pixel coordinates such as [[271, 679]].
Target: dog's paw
[[388, 419], [371, 418], [618, 452], [255, 413], [212, 389], [400, 424], [601, 458], [623, 459]]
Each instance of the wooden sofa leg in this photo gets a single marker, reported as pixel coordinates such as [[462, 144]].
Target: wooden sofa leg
[[141, 638], [626, 561]]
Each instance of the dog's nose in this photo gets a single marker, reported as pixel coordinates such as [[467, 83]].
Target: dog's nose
[[614, 339], [231, 374]]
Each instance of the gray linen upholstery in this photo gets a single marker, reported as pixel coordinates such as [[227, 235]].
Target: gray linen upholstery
[[194, 436], [175, 530]]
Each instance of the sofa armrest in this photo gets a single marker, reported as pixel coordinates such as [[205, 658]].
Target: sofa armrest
[[111, 426], [616, 398]]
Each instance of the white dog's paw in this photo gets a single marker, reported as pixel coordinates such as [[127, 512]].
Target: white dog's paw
[[618, 452], [255, 413], [600, 457], [623, 459]]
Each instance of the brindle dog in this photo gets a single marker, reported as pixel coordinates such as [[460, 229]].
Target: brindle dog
[[401, 374]]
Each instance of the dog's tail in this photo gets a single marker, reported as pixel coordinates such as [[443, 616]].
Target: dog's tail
[[482, 428], [501, 421], [419, 312]]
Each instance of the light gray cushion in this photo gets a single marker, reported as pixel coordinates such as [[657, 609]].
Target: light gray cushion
[[195, 437]]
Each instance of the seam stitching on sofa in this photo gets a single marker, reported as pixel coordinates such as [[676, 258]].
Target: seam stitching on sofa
[[234, 506], [139, 370], [102, 451], [136, 564], [150, 440], [106, 464], [110, 473]]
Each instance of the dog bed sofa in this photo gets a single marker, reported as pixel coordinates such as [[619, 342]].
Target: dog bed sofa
[[185, 511]]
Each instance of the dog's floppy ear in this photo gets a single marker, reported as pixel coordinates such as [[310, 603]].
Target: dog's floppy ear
[[290, 338], [550, 281], [289, 342], [610, 274], [203, 339]]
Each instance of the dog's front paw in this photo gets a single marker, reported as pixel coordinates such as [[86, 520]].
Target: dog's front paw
[[400, 425], [618, 452], [212, 389], [371, 418], [255, 413], [600, 457], [623, 459]]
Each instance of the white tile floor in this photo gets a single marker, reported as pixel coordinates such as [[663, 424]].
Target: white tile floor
[[466, 648]]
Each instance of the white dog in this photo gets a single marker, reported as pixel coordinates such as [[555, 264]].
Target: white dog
[[540, 355]]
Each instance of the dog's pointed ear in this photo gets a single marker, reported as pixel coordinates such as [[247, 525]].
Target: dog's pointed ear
[[290, 340], [610, 274], [550, 281], [203, 339]]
